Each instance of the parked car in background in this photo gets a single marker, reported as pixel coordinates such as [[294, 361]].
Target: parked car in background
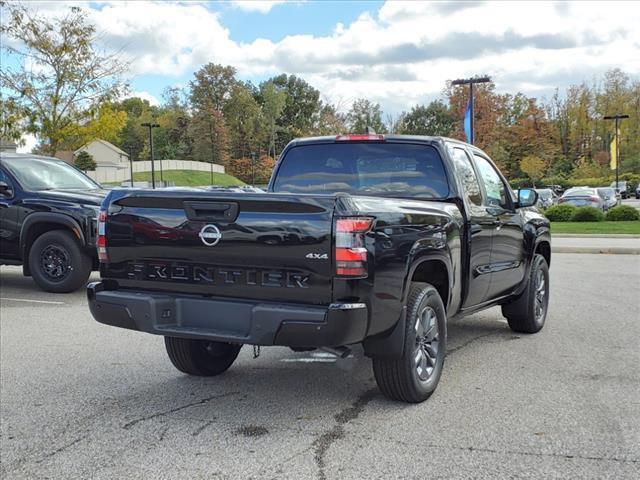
[[583, 197], [638, 191], [621, 188], [557, 189], [48, 217], [610, 197], [546, 197]]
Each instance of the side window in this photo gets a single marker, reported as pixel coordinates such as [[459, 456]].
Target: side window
[[464, 169], [496, 191], [5, 178]]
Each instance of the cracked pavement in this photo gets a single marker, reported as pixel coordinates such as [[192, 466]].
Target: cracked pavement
[[82, 400]]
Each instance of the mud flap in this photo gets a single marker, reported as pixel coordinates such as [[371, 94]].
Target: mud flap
[[390, 346]]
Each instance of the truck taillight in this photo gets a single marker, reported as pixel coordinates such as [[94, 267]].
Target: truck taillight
[[101, 240], [351, 254]]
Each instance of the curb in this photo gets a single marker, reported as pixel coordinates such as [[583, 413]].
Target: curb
[[594, 235], [604, 250]]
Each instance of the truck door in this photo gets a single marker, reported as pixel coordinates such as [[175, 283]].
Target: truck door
[[481, 226], [9, 232], [507, 262]]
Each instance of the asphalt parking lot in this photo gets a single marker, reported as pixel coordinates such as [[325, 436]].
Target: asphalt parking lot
[[82, 400]]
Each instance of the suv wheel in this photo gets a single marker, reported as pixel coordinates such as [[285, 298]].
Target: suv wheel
[[201, 358], [414, 377], [528, 312], [57, 263]]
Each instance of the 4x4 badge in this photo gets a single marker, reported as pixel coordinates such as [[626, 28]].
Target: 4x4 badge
[[210, 235], [317, 256]]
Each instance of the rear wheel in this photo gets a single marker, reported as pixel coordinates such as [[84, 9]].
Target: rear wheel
[[57, 262], [201, 358], [414, 377], [528, 312]]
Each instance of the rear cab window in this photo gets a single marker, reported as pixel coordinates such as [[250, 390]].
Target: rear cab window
[[366, 168]]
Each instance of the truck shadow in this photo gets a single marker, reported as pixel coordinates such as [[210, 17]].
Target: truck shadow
[[285, 388]]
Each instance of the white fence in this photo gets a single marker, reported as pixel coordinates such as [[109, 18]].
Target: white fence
[[121, 172]]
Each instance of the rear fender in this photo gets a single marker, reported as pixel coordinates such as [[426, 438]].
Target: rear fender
[[391, 345]]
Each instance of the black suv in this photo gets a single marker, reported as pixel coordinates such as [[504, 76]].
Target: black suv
[[48, 212]]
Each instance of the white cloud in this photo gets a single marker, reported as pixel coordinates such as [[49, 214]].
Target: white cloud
[[399, 55], [261, 6], [145, 96]]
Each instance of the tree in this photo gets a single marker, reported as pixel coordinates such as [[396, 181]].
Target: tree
[[106, 124], [210, 136], [133, 137], [363, 114], [213, 86], [330, 122], [85, 162], [243, 117], [273, 102], [301, 110], [61, 76], [14, 121], [534, 167], [434, 119], [257, 173], [172, 139]]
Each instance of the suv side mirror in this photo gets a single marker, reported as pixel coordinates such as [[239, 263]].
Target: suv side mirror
[[5, 189], [527, 197]]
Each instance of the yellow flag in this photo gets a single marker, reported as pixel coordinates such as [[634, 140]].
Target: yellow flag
[[613, 154]]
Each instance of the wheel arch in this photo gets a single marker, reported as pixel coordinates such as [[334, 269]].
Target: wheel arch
[[543, 247]]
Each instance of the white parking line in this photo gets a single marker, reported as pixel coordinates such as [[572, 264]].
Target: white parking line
[[31, 301], [308, 360]]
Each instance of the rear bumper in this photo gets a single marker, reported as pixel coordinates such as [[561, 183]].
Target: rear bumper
[[225, 320]]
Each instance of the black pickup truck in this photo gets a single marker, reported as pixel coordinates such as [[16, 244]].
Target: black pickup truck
[[365, 239], [48, 214]]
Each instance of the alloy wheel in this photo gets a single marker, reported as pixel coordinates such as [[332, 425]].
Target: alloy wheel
[[55, 262], [427, 343]]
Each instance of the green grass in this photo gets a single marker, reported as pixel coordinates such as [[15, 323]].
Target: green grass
[[631, 227], [189, 178]]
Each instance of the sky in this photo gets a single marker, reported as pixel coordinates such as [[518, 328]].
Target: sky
[[396, 53]]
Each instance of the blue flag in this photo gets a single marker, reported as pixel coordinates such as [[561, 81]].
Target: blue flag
[[467, 120]]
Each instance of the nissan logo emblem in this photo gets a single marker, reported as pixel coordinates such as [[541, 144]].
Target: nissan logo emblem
[[210, 235]]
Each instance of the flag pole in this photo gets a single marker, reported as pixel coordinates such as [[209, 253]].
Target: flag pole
[[617, 117], [470, 82]]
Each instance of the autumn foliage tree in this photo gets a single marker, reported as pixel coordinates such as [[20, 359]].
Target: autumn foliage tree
[[60, 74], [534, 167]]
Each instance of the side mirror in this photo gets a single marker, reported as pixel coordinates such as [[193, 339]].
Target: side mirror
[[527, 197], [5, 189]]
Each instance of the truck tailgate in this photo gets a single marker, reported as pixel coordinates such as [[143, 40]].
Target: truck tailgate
[[273, 247]]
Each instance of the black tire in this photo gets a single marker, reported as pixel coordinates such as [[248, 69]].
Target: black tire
[[528, 312], [201, 358], [402, 379], [57, 262]]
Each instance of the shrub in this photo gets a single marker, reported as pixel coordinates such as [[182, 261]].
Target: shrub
[[560, 213], [623, 213], [85, 162], [587, 214]]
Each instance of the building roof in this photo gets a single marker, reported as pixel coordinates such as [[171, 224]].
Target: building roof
[[106, 144]]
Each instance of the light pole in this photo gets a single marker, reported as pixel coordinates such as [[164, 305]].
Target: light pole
[[253, 169], [617, 117], [151, 126], [131, 165], [470, 82]]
